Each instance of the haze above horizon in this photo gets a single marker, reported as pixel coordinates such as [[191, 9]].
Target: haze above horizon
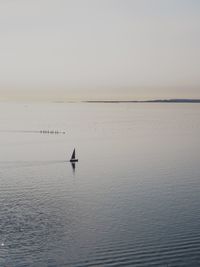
[[99, 49]]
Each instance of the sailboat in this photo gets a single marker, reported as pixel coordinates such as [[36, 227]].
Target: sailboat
[[73, 157]]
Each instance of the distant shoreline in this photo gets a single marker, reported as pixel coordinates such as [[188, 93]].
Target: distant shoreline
[[195, 101], [186, 101]]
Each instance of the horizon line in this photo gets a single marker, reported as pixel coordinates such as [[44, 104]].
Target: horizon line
[[155, 100]]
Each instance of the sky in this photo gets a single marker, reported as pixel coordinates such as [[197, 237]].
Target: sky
[[99, 49]]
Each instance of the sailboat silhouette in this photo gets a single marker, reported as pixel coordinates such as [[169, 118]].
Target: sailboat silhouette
[[73, 157]]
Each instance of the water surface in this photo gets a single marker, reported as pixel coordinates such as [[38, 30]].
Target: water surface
[[132, 200]]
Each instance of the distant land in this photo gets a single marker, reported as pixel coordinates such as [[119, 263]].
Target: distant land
[[146, 101]]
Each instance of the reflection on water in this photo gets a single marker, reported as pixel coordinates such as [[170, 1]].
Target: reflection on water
[[131, 200], [73, 164]]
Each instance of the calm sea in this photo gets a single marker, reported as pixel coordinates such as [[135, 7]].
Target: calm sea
[[131, 200]]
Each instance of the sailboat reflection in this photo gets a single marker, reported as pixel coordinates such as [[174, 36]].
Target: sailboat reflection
[[73, 164]]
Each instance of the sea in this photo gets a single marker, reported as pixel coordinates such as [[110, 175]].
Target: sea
[[132, 199]]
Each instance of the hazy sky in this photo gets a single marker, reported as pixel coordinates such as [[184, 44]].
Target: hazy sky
[[100, 48]]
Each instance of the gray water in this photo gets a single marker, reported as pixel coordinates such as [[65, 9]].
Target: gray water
[[132, 200]]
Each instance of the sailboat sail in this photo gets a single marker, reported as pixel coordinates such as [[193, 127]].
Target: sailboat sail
[[73, 155]]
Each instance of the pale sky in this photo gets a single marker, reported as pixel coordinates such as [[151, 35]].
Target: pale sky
[[99, 49]]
